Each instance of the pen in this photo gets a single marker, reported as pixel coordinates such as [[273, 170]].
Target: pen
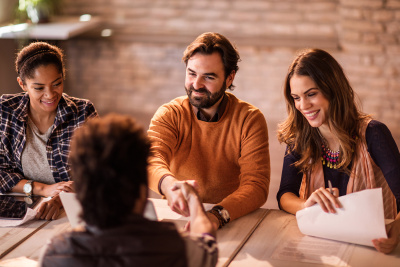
[[330, 187]]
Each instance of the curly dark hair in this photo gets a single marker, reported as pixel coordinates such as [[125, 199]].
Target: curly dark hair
[[210, 42], [109, 164], [38, 54]]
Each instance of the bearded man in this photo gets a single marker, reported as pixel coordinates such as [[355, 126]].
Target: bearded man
[[211, 137]]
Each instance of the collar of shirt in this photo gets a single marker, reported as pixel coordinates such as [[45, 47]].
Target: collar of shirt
[[220, 111], [64, 109], [20, 106]]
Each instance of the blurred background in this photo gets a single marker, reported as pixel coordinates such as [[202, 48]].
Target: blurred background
[[130, 62]]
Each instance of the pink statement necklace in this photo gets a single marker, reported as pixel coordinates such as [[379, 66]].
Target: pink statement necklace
[[329, 158]]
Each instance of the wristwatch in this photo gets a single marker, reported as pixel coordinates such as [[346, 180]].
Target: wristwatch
[[223, 213], [28, 188]]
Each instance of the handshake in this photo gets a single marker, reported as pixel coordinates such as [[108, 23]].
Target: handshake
[[185, 200]]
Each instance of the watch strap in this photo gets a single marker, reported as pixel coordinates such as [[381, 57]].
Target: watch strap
[[223, 212], [219, 217]]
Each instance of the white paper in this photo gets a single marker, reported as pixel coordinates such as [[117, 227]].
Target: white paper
[[359, 221], [18, 262], [29, 215], [299, 248], [72, 208]]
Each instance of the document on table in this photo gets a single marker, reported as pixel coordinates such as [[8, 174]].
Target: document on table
[[30, 215], [299, 248], [359, 221]]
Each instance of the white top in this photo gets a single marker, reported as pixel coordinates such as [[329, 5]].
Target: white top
[[34, 156]]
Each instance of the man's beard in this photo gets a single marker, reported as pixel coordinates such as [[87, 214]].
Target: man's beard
[[206, 101]]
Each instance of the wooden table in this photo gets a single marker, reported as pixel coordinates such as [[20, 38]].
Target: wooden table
[[230, 239], [278, 233], [257, 239]]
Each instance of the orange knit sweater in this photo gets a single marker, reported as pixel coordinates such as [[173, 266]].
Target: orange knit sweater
[[229, 159]]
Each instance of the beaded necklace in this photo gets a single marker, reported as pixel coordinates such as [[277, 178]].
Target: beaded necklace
[[329, 158]]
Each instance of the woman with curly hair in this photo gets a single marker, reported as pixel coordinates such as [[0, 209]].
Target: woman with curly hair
[[36, 128]]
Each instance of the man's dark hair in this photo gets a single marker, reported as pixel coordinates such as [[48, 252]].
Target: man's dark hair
[[109, 164], [210, 42]]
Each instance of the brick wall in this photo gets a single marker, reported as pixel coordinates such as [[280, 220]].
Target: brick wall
[[369, 34], [139, 67]]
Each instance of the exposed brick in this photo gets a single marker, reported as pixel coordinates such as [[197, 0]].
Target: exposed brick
[[362, 48], [282, 16], [393, 28], [363, 26], [220, 4], [367, 14], [254, 5], [316, 6], [390, 71], [387, 39], [322, 17], [162, 13], [383, 15], [318, 30], [243, 16], [366, 71], [362, 3], [280, 29], [366, 60], [380, 59], [369, 38], [352, 36], [140, 75], [379, 83], [394, 4], [393, 50], [203, 14], [351, 13]]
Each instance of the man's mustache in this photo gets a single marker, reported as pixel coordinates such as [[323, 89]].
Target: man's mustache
[[200, 90]]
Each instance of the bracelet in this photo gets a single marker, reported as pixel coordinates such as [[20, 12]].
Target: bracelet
[[160, 182]]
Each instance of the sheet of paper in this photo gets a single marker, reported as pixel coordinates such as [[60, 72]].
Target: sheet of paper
[[18, 262], [29, 215], [72, 208], [359, 221], [299, 248]]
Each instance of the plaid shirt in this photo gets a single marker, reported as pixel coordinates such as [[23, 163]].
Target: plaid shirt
[[71, 114]]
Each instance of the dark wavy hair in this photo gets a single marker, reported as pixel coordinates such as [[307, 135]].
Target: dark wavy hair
[[109, 164], [210, 42], [344, 115], [38, 54]]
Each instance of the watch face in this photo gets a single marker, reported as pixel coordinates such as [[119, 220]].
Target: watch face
[[224, 213], [27, 188]]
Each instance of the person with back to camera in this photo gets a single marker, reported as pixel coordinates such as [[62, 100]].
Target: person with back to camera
[[211, 137], [109, 166], [329, 139], [36, 128]]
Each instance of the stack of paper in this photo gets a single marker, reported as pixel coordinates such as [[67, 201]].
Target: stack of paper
[[359, 221]]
